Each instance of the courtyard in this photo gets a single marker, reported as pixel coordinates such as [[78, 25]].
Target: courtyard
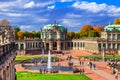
[[102, 72]]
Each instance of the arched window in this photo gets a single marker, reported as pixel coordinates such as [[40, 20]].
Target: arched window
[[17, 47], [47, 35], [62, 36]]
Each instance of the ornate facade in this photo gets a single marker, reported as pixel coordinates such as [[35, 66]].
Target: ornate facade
[[53, 37], [7, 53]]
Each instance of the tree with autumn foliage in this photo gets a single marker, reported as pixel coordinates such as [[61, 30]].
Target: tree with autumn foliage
[[20, 34], [84, 32], [117, 21], [90, 31], [70, 35], [98, 29]]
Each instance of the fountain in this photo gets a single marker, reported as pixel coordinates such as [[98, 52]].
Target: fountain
[[49, 61], [48, 65]]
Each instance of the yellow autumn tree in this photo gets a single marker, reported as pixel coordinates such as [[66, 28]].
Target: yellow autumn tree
[[20, 34], [117, 21]]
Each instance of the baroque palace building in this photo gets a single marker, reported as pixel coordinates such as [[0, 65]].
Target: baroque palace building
[[7, 52], [54, 37]]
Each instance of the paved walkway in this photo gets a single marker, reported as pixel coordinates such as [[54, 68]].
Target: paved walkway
[[100, 72]]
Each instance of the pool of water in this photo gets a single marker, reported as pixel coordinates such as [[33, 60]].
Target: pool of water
[[60, 68]]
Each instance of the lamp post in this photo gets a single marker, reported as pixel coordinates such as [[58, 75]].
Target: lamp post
[[42, 54], [103, 54]]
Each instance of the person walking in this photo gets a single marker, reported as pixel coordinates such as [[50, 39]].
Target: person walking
[[94, 66], [83, 71], [80, 71], [116, 76]]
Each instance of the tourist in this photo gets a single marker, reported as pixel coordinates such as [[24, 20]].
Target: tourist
[[80, 63], [80, 71], [116, 76], [90, 64], [40, 71], [83, 70], [94, 66]]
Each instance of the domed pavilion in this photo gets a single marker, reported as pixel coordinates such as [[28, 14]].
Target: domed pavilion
[[53, 37]]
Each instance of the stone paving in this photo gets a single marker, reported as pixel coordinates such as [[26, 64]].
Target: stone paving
[[101, 72]]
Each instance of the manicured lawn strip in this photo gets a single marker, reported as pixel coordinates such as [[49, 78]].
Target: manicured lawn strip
[[108, 56], [37, 76], [21, 58]]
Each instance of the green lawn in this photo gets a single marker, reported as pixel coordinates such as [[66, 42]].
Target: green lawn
[[37, 76], [21, 58], [95, 56]]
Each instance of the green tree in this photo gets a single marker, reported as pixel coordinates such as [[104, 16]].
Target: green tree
[[93, 33]]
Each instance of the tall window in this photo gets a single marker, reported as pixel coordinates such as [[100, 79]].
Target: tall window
[[109, 46], [104, 45], [54, 35], [118, 36], [74, 44], [47, 35], [62, 35], [42, 35], [109, 36], [114, 46], [114, 36], [119, 46]]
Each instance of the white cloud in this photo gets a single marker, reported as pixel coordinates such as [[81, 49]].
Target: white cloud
[[14, 3], [72, 15], [32, 4], [15, 14], [24, 27], [51, 7], [92, 7], [95, 8], [71, 22], [29, 5], [65, 0]]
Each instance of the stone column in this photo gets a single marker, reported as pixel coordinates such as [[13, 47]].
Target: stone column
[[18, 46], [24, 46], [58, 35], [58, 45], [44, 35], [50, 35]]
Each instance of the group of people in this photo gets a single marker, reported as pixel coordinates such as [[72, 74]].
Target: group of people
[[43, 71], [92, 65], [82, 71], [81, 63], [69, 58]]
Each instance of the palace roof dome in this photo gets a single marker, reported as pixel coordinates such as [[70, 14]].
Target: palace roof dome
[[112, 27], [50, 27]]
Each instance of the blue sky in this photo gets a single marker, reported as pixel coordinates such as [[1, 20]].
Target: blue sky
[[73, 14]]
